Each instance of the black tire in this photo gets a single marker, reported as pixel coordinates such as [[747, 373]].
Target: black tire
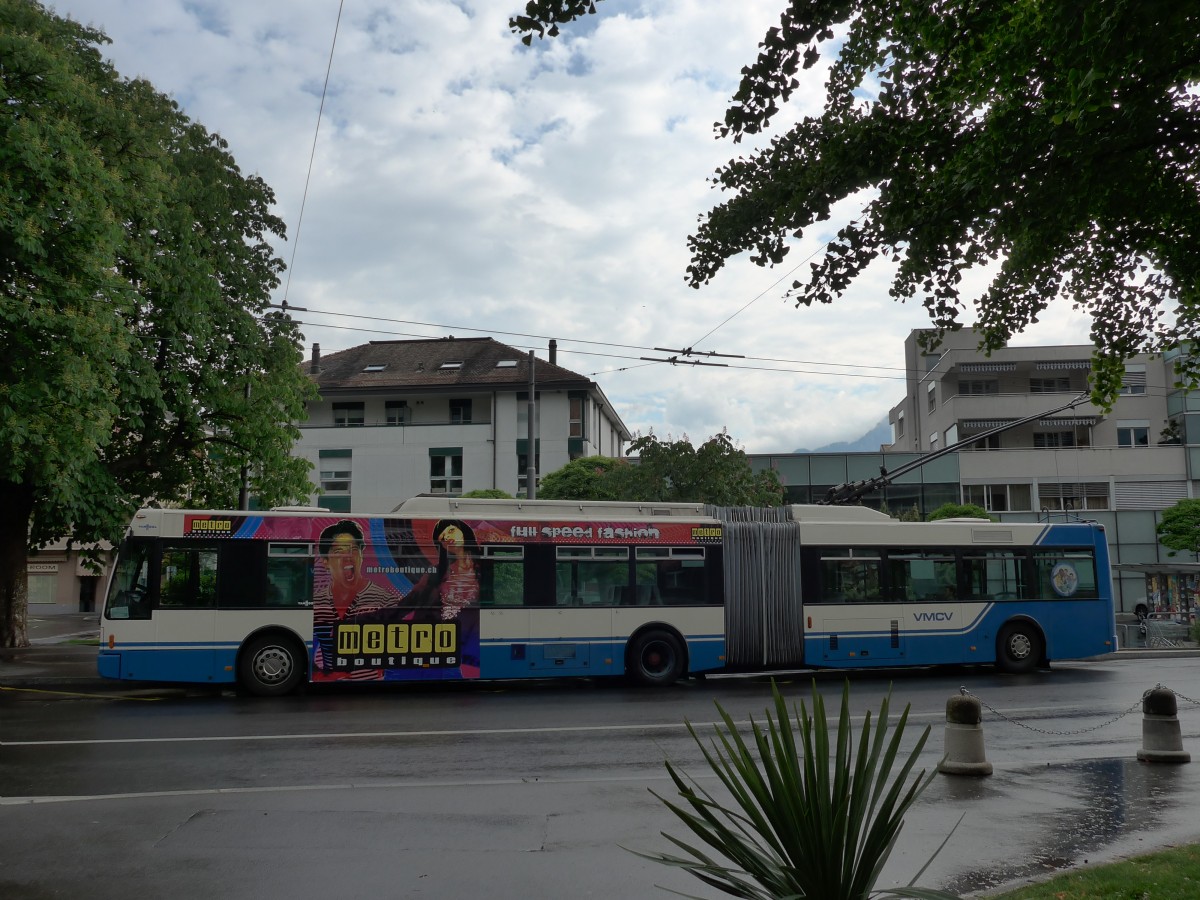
[[655, 659], [271, 665], [1019, 648]]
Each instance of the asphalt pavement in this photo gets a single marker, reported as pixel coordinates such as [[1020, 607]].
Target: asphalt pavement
[[63, 649]]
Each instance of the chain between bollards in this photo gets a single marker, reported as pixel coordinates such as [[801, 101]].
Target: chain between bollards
[[1048, 731]]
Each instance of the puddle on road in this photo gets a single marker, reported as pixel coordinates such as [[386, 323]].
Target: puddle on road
[[1101, 803]]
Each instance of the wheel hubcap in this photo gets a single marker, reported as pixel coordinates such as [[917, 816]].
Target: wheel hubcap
[[1020, 646], [655, 659], [273, 665]]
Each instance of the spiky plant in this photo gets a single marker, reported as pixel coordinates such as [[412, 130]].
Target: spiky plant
[[801, 824]]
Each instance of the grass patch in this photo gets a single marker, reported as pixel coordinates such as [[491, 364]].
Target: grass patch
[[1171, 874]]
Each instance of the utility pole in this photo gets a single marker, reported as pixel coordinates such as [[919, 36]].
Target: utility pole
[[531, 434]]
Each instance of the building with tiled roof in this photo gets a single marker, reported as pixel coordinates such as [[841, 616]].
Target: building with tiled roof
[[401, 418]]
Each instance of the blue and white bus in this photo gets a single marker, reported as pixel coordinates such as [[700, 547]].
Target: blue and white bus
[[446, 588]]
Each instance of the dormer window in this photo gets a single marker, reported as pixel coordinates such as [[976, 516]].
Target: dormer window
[[451, 364], [375, 367]]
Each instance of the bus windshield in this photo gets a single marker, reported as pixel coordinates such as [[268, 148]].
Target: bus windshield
[[128, 593]]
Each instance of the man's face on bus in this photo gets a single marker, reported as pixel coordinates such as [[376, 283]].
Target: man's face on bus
[[344, 560]]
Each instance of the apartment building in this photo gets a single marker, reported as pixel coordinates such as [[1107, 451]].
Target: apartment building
[[1122, 467], [445, 416]]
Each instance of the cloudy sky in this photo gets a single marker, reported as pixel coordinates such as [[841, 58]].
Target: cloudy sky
[[462, 183]]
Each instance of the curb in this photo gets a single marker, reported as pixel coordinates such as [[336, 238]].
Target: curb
[[15, 679]]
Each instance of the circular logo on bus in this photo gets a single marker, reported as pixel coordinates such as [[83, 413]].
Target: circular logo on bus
[[1064, 579]]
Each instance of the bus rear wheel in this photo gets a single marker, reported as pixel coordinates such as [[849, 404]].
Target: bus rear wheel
[[270, 666], [656, 659], [1019, 648]]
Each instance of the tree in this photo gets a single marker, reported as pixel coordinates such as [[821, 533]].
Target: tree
[[487, 494], [142, 359], [1179, 530], [960, 511], [581, 479], [1057, 141], [716, 472]]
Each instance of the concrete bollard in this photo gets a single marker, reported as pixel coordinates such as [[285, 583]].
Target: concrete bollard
[[964, 738], [1161, 738]]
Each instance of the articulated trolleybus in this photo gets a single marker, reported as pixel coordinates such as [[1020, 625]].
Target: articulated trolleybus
[[464, 589]]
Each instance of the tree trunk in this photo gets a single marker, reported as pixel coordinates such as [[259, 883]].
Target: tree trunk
[[17, 502]]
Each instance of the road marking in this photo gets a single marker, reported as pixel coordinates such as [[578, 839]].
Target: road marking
[[334, 735], [372, 786], [20, 690], [461, 732]]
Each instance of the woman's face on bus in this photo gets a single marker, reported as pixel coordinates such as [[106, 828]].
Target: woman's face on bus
[[344, 559], [451, 536]]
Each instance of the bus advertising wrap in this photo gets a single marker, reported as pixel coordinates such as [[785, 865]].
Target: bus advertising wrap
[[398, 599]]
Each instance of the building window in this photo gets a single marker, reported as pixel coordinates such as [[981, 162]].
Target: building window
[[576, 416], [1133, 432], [979, 386], [334, 471], [451, 364], [460, 412], [933, 441], [397, 412], [999, 497], [899, 425], [445, 470], [1049, 385], [991, 442], [41, 588], [345, 414], [931, 395], [375, 367], [523, 411], [1134, 381], [1045, 440], [522, 479], [1068, 496]]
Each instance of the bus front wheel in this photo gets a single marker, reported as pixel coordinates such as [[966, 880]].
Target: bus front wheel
[[270, 666], [656, 659], [1019, 648]]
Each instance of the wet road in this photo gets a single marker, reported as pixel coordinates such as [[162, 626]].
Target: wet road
[[532, 790]]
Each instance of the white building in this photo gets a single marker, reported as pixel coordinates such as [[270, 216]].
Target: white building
[[1135, 456], [401, 418]]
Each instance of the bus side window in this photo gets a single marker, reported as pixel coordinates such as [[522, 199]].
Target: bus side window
[[289, 582], [188, 577], [502, 581]]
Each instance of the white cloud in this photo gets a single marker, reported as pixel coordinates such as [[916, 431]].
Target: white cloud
[[464, 180]]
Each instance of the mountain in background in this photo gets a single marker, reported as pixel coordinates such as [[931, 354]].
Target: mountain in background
[[868, 443]]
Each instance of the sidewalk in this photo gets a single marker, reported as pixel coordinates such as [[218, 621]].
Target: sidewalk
[[62, 651]]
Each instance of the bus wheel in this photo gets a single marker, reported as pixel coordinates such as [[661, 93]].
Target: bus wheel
[[1019, 648], [655, 659], [270, 666]]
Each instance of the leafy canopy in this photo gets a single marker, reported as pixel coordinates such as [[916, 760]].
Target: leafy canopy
[[1179, 530], [960, 511], [585, 478], [1055, 142], [142, 359], [716, 472]]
